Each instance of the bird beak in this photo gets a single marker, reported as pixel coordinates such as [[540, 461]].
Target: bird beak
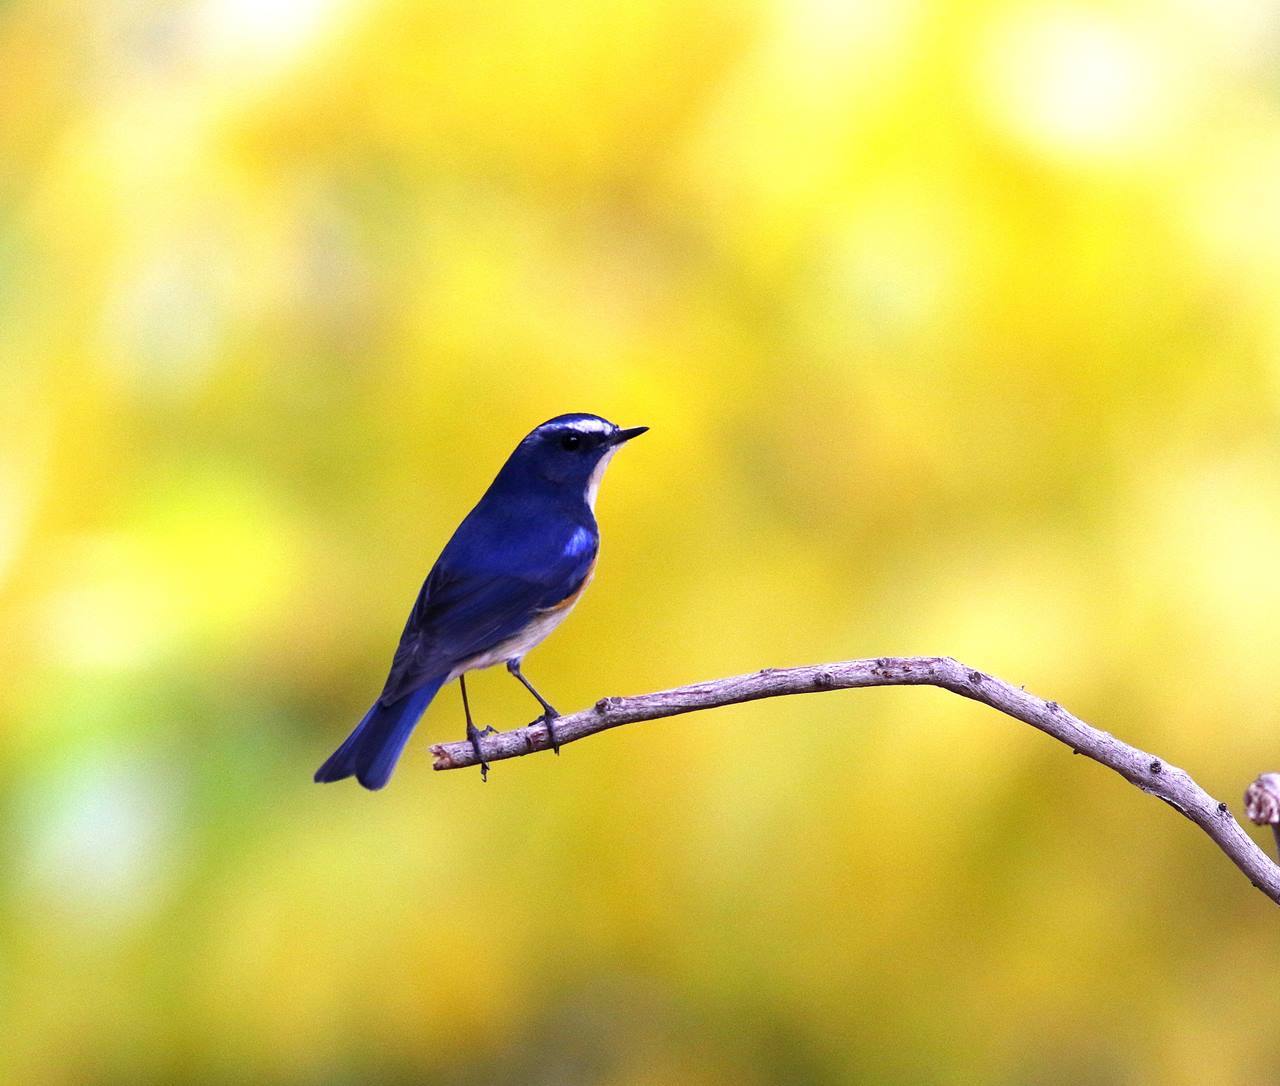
[[621, 436]]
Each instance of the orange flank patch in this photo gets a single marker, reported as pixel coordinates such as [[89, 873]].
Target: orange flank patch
[[572, 597]]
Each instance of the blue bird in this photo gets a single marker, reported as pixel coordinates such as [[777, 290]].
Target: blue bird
[[509, 576]]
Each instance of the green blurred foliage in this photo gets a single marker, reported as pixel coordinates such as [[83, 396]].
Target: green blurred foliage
[[957, 327]]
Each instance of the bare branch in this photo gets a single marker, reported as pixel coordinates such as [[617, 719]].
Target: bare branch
[[1152, 774]]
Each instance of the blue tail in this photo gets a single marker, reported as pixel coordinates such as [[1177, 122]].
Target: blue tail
[[371, 751]]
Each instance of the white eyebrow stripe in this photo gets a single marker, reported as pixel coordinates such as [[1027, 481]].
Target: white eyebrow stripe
[[587, 426]]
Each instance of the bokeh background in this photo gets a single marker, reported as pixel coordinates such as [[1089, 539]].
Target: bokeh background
[[957, 328]]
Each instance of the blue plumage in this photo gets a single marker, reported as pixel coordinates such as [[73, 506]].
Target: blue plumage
[[507, 577]]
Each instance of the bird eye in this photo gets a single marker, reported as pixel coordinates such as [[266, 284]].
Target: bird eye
[[570, 442]]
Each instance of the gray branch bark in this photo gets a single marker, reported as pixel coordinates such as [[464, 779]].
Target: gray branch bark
[[1152, 774]]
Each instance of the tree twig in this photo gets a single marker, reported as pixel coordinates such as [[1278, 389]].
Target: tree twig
[[1153, 775]]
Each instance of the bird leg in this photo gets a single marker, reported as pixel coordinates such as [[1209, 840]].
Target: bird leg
[[548, 710], [473, 733]]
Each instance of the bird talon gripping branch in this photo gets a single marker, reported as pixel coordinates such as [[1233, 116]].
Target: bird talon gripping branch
[[548, 719], [474, 735]]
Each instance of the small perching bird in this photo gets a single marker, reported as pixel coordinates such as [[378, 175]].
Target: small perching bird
[[509, 576]]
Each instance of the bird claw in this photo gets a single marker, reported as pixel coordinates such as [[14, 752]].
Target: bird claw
[[474, 735], [546, 719]]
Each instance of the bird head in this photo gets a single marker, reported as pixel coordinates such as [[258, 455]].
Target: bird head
[[570, 453]]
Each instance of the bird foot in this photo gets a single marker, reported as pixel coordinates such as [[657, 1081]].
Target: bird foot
[[546, 719], [474, 735]]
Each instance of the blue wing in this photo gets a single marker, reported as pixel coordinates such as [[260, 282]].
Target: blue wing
[[485, 588]]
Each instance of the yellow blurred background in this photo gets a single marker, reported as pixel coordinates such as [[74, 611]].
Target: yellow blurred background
[[957, 326]]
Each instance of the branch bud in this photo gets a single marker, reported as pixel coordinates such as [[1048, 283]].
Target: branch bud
[[1262, 800]]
